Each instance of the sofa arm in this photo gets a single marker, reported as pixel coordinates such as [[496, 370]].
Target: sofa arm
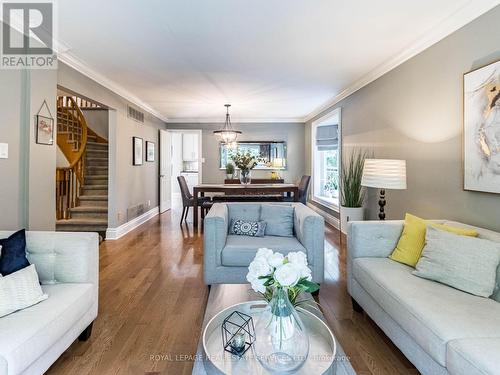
[[373, 238], [310, 231], [215, 235]]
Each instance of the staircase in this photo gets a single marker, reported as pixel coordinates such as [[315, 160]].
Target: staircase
[[82, 192]]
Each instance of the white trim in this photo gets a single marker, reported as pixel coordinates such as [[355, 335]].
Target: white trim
[[326, 204], [330, 219], [84, 69], [450, 24], [234, 120], [116, 233]]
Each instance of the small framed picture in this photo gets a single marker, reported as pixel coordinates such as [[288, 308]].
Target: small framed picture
[[44, 130], [150, 151], [137, 151]]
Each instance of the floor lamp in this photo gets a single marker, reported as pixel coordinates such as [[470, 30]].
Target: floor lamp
[[384, 174]]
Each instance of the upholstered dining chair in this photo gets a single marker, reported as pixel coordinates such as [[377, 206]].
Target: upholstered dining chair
[[188, 200], [303, 187]]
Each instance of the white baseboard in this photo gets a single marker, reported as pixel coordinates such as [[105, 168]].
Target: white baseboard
[[330, 219], [115, 233]]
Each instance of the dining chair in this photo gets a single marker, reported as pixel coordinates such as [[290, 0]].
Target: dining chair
[[303, 187], [188, 200]]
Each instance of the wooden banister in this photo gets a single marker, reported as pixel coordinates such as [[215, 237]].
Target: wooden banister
[[72, 134]]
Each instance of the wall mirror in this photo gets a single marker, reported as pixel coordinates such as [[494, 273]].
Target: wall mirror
[[274, 153]]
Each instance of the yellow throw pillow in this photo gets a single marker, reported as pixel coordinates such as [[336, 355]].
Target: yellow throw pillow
[[412, 240]]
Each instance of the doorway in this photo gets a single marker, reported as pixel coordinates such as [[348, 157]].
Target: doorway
[[181, 150]]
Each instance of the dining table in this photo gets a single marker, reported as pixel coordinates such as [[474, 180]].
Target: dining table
[[235, 189]]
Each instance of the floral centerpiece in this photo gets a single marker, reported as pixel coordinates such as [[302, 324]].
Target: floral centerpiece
[[282, 342], [271, 270], [245, 162]]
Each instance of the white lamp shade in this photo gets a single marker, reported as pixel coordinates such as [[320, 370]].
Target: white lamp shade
[[384, 174]]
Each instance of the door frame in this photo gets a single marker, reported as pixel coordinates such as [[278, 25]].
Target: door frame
[[168, 167]]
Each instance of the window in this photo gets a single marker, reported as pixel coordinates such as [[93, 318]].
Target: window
[[326, 159]]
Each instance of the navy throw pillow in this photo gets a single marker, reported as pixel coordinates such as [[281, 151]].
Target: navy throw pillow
[[13, 253]]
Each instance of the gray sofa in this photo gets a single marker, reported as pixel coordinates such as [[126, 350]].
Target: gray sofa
[[226, 256], [441, 330], [67, 264]]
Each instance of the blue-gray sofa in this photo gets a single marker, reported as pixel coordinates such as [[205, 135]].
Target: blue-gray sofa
[[441, 330], [227, 256]]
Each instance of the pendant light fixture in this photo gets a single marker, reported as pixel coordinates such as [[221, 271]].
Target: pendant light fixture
[[227, 133]]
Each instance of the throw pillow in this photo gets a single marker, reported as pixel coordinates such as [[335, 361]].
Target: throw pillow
[[412, 240], [13, 255], [243, 211], [248, 228], [20, 290], [465, 263], [279, 219]]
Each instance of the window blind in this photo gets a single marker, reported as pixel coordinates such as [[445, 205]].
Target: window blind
[[327, 137]]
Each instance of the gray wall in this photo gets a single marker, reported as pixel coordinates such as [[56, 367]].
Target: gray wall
[[27, 183], [98, 121], [414, 112], [292, 133], [129, 185]]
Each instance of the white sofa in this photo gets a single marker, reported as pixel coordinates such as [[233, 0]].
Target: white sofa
[[441, 330], [31, 340]]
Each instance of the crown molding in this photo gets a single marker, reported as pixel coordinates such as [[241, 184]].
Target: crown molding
[[84, 69], [463, 16], [234, 120]]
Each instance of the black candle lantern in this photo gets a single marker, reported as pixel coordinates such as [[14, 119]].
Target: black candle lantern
[[238, 333]]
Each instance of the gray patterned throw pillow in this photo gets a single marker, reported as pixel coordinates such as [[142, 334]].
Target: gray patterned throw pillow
[[248, 228]]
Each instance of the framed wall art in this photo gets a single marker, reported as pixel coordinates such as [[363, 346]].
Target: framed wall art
[[44, 130], [137, 151], [44, 126], [150, 151], [481, 133]]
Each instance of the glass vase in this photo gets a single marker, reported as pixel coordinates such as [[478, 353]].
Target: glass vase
[[281, 340], [246, 176]]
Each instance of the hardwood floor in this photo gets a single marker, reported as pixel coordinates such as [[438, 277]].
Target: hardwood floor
[[152, 301]]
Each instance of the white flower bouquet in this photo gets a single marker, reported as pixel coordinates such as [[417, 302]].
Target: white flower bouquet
[[270, 270]]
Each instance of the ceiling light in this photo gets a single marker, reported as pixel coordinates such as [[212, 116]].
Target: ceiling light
[[227, 133]]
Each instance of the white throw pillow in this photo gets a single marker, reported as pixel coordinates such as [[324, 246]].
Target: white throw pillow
[[20, 290]]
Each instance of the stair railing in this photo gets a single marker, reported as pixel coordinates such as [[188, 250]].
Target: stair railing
[[72, 140]]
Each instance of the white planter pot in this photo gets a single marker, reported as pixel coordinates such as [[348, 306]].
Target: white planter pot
[[350, 214]]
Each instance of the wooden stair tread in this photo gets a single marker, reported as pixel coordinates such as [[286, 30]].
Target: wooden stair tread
[[94, 197], [89, 209], [82, 221], [95, 187], [90, 143]]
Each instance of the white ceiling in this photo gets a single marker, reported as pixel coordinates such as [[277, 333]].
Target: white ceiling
[[273, 60]]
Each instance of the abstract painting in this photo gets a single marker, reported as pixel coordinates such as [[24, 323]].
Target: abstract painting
[[137, 150], [482, 129]]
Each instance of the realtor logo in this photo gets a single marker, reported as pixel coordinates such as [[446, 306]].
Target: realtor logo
[[27, 35]]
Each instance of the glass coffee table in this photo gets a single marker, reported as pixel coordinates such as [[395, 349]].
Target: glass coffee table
[[224, 299]]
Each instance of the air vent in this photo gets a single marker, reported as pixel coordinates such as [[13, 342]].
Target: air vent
[[135, 114], [134, 211]]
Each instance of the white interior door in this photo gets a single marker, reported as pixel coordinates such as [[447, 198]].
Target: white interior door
[[165, 171]]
